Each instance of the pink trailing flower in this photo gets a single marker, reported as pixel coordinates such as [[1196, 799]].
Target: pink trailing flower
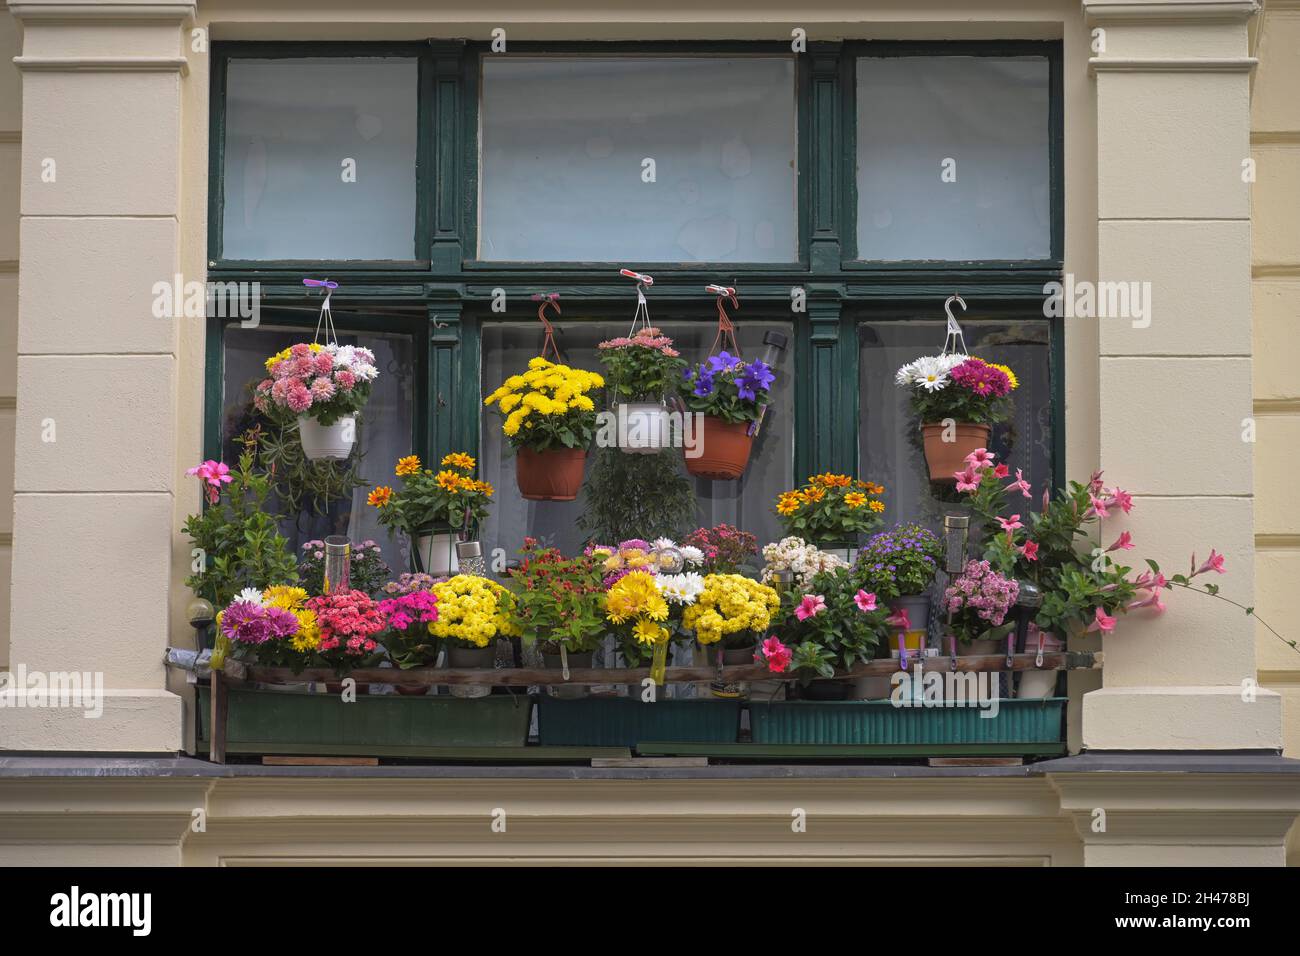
[[1010, 524], [1102, 622], [1120, 499], [213, 474], [899, 619], [1123, 543], [980, 458], [1213, 563], [1151, 600], [865, 600], [1030, 550], [1020, 484], [1096, 508], [967, 480], [776, 654], [811, 605], [1001, 471]]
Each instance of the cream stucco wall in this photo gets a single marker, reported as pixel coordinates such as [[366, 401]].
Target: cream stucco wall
[[11, 123]]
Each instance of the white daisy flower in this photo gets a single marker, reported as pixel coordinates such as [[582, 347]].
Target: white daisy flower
[[692, 555], [251, 595], [681, 588]]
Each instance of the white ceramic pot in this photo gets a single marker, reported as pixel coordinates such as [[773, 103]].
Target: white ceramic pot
[[1039, 683], [437, 553], [470, 657], [327, 442], [643, 428]]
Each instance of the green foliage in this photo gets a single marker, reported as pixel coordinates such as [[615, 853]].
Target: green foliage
[[240, 539], [452, 498], [559, 600], [841, 634], [300, 483], [637, 496]]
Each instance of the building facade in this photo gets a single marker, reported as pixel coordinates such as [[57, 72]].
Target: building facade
[[1171, 157]]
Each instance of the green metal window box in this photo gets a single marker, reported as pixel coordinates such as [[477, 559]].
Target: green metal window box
[[1034, 723], [279, 722], [627, 722]]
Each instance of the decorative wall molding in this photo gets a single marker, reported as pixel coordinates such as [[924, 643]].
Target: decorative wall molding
[[1160, 11], [36, 11], [103, 64], [1193, 64]]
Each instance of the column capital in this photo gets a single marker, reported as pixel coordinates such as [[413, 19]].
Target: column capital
[[1169, 11]]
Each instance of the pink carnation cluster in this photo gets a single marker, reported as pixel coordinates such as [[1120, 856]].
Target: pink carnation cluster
[[305, 378], [347, 618], [249, 623], [982, 590], [650, 338], [417, 607], [978, 376]]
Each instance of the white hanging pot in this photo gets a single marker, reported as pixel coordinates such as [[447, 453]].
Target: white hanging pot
[[437, 553], [326, 442], [643, 428]]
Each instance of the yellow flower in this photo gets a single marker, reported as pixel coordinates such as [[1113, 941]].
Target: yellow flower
[[410, 465], [1011, 376], [730, 604], [877, 506], [276, 359], [307, 637], [635, 595], [315, 347], [284, 596], [509, 402], [648, 632], [788, 503], [815, 493], [855, 499], [473, 610], [449, 480], [458, 459], [379, 497]]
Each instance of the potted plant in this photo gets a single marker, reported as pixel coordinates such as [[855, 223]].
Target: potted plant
[[833, 623], [349, 621], [956, 398], [323, 387], [723, 549], [977, 603], [472, 612], [407, 639], [730, 394], [560, 608], [272, 628], [898, 566], [831, 511], [798, 559], [434, 508], [638, 373], [733, 612], [549, 419], [367, 569]]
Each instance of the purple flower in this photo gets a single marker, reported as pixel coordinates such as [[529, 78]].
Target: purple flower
[[722, 362], [704, 386]]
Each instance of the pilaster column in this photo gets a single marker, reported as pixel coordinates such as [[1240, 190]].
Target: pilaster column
[[1173, 220], [96, 461]]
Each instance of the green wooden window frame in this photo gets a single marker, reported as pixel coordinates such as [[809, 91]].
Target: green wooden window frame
[[443, 295]]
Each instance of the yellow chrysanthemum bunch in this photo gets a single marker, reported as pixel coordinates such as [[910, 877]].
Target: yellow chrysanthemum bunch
[[548, 406], [292, 600], [729, 604], [473, 609], [635, 599]]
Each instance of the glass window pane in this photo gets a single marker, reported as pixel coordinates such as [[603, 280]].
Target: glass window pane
[[889, 447], [988, 116], [384, 429], [292, 125], [745, 503], [564, 140]]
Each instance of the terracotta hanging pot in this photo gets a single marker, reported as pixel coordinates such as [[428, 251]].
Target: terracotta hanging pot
[[946, 458], [724, 450], [554, 475]]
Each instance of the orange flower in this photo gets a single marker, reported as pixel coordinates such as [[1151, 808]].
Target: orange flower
[[449, 480], [409, 465], [855, 499], [788, 503], [814, 494], [379, 497], [458, 459], [877, 506], [875, 489]]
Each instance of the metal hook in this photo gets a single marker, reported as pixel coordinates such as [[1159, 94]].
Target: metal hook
[[954, 342], [547, 298]]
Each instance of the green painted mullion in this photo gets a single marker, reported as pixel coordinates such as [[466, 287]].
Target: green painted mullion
[[448, 119], [825, 143]]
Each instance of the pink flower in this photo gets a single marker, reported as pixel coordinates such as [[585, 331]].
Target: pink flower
[[345, 379], [1010, 524], [1123, 543], [1001, 471], [299, 399], [324, 363], [1213, 563], [1094, 483], [776, 654], [1098, 507], [865, 600], [899, 619], [1151, 600], [967, 480], [980, 458], [1121, 499], [1102, 622], [810, 605], [1019, 484], [322, 390], [1030, 550], [213, 474]]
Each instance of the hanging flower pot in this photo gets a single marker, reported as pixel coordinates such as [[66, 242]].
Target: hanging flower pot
[[947, 458], [327, 442], [643, 427], [554, 475], [723, 450]]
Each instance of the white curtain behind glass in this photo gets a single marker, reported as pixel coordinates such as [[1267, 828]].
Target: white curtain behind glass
[[291, 125], [563, 145], [989, 115]]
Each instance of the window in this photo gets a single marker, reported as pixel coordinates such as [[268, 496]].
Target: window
[[582, 163], [953, 158], [319, 159]]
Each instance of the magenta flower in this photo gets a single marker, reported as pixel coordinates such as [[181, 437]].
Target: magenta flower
[[980, 458], [900, 620], [1030, 550], [1102, 622], [1213, 563], [1123, 543], [1010, 524], [811, 605], [1151, 600], [865, 600], [776, 654], [1120, 499], [213, 474], [1001, 471], [968, 480]]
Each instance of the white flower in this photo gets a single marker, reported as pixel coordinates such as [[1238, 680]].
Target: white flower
[[692, 555], [251, 595], [931, 372], [345, 356], [681, 588], [906, 374], [658, 544]]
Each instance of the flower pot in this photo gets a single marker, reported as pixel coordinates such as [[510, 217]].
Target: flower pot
[[326, 442], [734, 656], [435, 552], [576, 660], [411, 690], [914, 641], [1039, 683], [643, 428], [946, 458], [470, 657], [918, 610], [554, 475], [724, 450], [846, 551]]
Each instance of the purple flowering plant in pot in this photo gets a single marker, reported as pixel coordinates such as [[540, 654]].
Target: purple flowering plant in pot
[[899, 566], [730, 394]]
